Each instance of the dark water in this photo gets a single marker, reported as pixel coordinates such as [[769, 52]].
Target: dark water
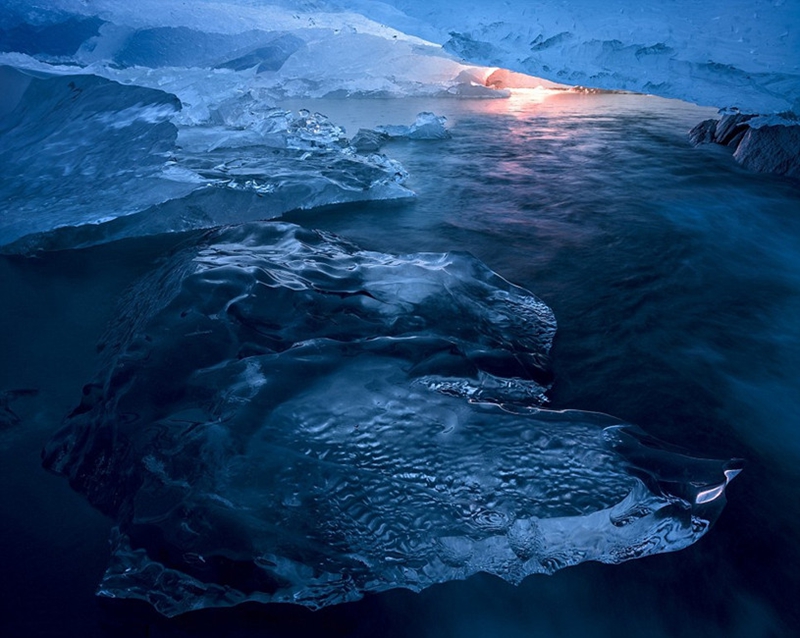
[[675, 278]]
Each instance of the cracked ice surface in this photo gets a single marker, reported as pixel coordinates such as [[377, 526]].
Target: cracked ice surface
[[284, 417]]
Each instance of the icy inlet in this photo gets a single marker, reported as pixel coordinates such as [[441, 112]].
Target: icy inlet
[[164, 110], [282, 416], [157, 109], [285, 417]]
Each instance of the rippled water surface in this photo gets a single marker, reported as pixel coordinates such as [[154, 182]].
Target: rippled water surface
[[675, 278]]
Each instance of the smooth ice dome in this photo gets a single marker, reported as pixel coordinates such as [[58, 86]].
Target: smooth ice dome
[[284, 417]]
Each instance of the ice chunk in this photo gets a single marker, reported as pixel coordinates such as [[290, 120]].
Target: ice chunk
[[427, 126], [367, 140], [287, 418]]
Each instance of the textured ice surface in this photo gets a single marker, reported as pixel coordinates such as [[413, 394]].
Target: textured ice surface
[[286, 418]]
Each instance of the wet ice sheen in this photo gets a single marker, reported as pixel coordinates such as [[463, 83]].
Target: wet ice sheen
[[284, 417]]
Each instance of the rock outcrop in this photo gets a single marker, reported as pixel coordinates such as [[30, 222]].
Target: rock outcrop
[[764, 145]]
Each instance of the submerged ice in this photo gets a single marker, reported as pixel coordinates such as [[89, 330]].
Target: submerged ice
[[284, 417]]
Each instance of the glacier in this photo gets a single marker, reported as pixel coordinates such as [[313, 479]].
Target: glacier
[[730, 54], [284, 417]]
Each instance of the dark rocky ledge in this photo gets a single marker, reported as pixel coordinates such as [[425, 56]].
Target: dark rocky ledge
[[766, 148]]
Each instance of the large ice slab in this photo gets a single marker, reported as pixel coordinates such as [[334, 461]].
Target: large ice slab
[[284, 417], [87, 160], [80, 150]]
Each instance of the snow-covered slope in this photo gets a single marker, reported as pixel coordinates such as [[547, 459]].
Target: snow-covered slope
[[724, 53]]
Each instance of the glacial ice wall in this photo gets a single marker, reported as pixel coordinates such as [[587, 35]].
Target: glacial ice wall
[[294, 51], [741, 54], [284, 417], [726, 53]]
